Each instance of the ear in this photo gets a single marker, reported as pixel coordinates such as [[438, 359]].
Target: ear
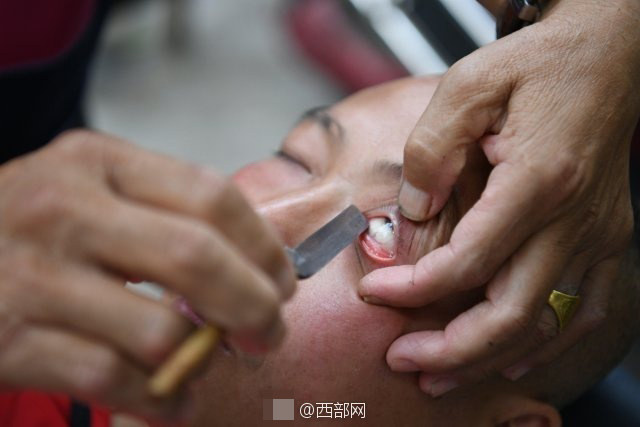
[[521, 411]]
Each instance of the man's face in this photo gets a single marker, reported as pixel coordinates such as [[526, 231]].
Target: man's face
[[336, 343]]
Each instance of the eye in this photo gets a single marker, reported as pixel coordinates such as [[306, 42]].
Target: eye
[[380, 241], [387, 241], [281, 154], [382, 231]]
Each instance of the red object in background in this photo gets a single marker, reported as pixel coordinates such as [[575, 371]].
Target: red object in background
[[39, 30], [37, 409], [323, 31]]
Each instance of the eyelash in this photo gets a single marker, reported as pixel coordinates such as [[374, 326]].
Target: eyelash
[[289, 158]]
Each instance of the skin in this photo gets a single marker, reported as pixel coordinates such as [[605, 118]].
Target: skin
[[553, 107], [87, 212], [336, 343]]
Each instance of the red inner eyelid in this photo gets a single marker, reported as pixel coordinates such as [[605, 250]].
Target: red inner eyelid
[[373, 249]]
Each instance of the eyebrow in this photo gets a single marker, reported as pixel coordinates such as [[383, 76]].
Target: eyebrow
[[320, 115], [389, 169]]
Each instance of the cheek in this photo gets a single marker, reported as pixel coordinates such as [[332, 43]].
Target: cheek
[[334, 351], [336, 343]]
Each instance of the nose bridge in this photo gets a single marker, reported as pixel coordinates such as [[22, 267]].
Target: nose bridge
[[298, 214]]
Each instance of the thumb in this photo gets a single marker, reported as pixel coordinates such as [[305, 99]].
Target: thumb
[[468, 103]]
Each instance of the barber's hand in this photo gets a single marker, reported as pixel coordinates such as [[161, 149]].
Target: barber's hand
[[82, 214], [553, 107]]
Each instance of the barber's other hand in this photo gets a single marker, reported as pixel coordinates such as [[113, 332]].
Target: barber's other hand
[[88, 211], [553, 107]]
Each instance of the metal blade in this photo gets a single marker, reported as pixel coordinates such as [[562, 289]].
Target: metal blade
[[323, 245]]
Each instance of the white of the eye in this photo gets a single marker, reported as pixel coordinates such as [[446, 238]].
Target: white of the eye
[[381, 229]]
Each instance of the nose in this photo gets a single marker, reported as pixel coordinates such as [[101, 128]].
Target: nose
[[300, 213]]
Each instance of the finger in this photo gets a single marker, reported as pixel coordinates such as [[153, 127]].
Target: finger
[[545, 330], [468, 101], [52, 360], [93, 304], [515, 297], [507, 213], [594, 298], [192, 260], [542, 332], [199, 192]]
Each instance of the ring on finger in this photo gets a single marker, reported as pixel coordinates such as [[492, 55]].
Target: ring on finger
[[564, 306]]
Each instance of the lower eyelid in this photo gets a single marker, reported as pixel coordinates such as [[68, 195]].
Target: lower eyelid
[[404, 231]]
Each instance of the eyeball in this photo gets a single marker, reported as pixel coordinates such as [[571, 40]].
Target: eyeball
[[379, 241], [381, 229]]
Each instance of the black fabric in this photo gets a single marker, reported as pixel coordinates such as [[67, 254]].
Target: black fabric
[[635, 199], [80, 415], [613, 402], [39, 101]]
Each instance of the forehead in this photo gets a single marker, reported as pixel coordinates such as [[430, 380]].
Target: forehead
[[379, 120]]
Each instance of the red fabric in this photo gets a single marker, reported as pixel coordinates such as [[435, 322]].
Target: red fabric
[[325, 34], [38, 30], [37, 409]]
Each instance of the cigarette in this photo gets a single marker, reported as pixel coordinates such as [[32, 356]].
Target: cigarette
[[183, 362]]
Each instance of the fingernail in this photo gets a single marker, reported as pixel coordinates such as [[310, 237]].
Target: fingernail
[[516, 371], [370, 299], [403, 365], [439, 386], [414, 203]]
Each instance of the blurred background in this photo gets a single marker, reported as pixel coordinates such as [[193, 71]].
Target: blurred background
[[220, 82]]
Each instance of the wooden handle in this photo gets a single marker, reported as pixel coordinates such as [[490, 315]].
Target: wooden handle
[[200, 344]]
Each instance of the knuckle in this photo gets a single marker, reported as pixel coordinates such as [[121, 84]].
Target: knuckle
[[466, 74], [415, 150], [545, 330], [99, 375], [188, 255], [46, 204], [591, 217], [26, 275], [519, 320], [611, 227], [421, 153], [212, 190], [558, 179], [74, 142], [39, 205], [596, 316]]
